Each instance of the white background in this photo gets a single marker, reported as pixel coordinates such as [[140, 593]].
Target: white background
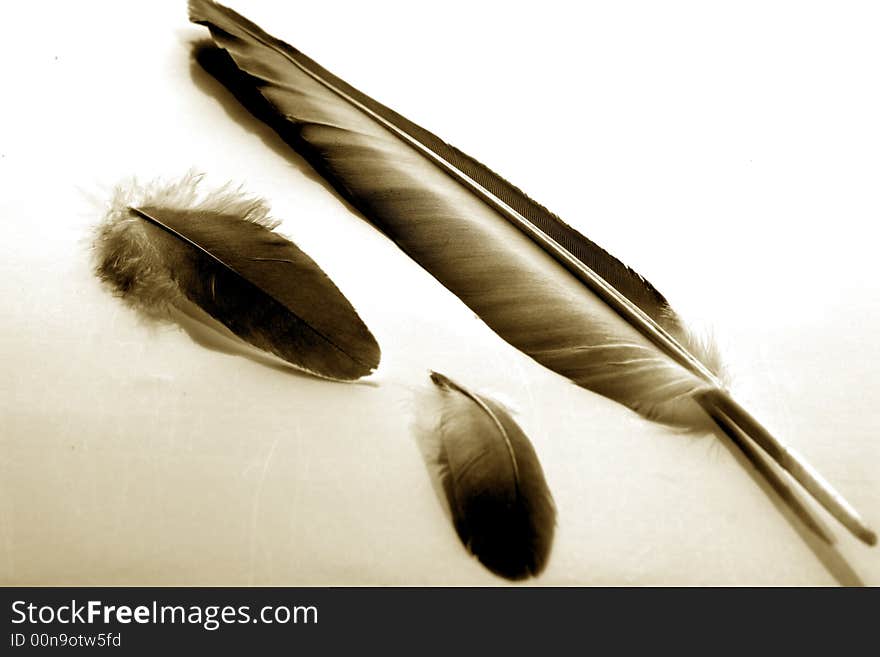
[[730, 154]]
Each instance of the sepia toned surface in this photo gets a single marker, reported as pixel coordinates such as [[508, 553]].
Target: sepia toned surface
[[729, 158]]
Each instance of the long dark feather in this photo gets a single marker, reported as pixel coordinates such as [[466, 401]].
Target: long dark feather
[[539, 284], [491, 478], [163, 246]]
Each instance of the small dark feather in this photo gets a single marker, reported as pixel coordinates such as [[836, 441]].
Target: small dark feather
[[501, 506]]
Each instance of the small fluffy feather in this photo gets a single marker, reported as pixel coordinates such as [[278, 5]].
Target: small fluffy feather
[[163, 247], [125, 258]]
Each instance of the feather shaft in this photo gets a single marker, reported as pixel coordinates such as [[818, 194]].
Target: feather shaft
[[729, 413]]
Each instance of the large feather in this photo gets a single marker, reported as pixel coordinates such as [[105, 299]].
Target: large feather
[[165, 246], [539, 284], [491, 478]]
